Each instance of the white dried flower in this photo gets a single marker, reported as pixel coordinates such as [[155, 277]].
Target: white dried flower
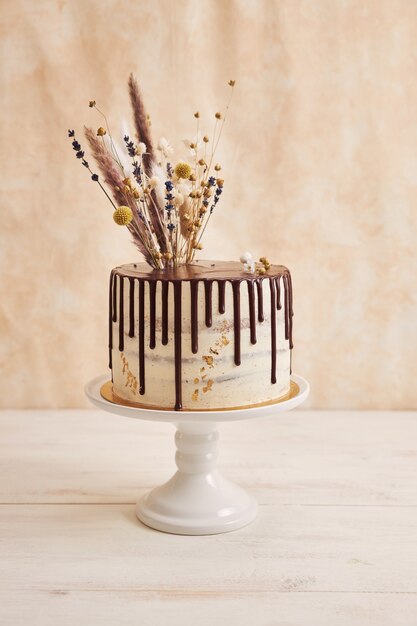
[[140, 148], [194, 145], [249, 267], [245, 257], [153, 182], [165, 147], [178, 198]]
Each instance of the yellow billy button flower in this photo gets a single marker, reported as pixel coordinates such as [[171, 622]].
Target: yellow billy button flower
[[183, 170], [101, 132], [123, 215]]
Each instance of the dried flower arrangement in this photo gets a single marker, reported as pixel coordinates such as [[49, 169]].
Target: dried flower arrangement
[[165, 207]]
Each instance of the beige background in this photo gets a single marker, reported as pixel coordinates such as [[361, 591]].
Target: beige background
[[320, 162]]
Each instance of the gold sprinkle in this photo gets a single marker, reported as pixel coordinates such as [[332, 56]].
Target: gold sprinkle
[[195, 395], [225, 340], [209, 383], [209, 360], [196, 381], [205, 389]]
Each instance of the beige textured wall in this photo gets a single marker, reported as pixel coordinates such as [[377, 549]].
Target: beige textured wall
[[320, 163]]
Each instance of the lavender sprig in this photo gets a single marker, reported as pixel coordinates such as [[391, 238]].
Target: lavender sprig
[[79, 153]]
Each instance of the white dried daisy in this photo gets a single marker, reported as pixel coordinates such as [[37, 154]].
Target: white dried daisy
[[164, 147]]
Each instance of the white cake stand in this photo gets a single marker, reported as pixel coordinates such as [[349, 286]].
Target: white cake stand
[[197, 500]]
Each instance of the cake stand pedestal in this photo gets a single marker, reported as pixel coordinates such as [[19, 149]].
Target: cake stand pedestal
[[197, 500]]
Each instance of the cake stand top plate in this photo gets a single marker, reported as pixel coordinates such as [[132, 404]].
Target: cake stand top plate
[[93, 393]]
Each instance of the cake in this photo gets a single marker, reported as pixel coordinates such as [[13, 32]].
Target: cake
[[185, 333], [203, 336]]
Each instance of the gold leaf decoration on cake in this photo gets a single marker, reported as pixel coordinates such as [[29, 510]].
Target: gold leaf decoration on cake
[[194, 397], [131, 380], [209, 360]]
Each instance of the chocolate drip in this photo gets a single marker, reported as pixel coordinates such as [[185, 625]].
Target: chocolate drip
[[165, 285], [285, 306], [141, 337], [278, 287], [121, 315], [272, 286], [208, 290], [114, 307], [131, 307], [152, 314], [194, 316], [177, 345], [252, 321], [236, 319], [222, 295], [260, 300], [111, 318], [291, 312]]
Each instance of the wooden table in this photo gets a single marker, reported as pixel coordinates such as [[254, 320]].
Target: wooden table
[[335, 541]]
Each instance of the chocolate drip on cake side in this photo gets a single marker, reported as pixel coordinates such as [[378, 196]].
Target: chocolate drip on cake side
[[272, 287], [131, 307], [222, 295], [141, 337], [278, 289], [121, 315], [116, 313], [165, 288], [260, 300], [236, 319], [177, 344], [111, 287], [208, 291], [252, 320], [194, 315], [152, 314]]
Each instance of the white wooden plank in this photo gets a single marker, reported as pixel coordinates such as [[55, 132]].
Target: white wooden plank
[[54, 606], [300, 458], [287, 549]]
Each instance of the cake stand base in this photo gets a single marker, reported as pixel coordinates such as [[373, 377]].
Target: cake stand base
[[197, 500]]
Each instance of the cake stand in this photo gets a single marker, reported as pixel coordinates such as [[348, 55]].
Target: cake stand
[[197, 500]]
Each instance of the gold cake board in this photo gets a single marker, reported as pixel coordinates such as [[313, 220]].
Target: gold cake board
[[108, 394]]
